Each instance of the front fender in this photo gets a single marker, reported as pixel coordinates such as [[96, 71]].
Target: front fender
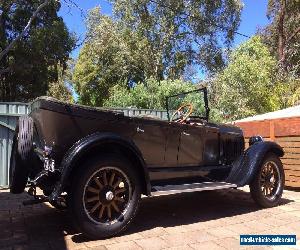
[[246, 166], [82, 146]]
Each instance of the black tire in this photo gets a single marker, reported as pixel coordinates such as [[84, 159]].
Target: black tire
[[87, 221], [25, 138], [264, 180], [18, 172]]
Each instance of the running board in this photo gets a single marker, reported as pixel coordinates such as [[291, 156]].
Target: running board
[[187, 188]]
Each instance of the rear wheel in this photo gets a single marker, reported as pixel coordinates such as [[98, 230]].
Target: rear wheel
[[21, 155], [18, 173], [105, 196], [267, 186]]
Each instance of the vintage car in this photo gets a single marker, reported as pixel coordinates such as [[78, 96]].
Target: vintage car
[[97, 163]]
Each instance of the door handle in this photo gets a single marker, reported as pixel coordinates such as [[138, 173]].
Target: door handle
[[139, 130]]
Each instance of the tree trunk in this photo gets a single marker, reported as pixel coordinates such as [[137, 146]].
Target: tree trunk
[[281, 33]]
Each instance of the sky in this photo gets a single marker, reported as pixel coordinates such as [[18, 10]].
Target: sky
[[253, 16]]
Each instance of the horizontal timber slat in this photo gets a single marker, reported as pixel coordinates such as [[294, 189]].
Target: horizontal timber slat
[[288, 139], [292, 178], [293, 172], [290, 161], [295, 184], [292, 151]]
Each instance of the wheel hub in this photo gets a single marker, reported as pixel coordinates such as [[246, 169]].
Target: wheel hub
[[109, 195]]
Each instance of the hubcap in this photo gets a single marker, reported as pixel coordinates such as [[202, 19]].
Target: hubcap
[[107, 195], [270, 180]]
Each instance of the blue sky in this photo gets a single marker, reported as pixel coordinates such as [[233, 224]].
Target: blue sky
[[253, 16]]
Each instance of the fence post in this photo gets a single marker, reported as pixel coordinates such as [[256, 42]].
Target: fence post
[[272, 130]]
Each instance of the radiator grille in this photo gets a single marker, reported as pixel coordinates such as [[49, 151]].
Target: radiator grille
[[232, 148]]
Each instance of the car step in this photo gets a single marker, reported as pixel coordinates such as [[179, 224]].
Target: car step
[[186, 188]]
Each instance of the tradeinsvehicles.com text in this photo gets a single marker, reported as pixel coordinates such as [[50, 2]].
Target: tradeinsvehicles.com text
[[267, 239]]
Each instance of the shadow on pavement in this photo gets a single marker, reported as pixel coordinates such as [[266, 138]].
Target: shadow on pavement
[[188, 208], [43, 227]]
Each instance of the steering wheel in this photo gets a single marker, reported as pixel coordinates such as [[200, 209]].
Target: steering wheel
[[183, 115]]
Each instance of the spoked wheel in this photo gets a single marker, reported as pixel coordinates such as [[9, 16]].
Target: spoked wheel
[[267, 186], [270, 180], [105, 195]]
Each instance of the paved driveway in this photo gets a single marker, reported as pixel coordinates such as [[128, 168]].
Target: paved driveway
[[203, 220]]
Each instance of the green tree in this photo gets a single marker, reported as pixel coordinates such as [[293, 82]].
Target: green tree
[[152, 39], [31, 64], [149, 95], [282, 35], [246, 86], [61, 88]]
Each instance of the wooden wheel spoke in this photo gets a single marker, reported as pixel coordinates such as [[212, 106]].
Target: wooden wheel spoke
[[91, 199], [93, 190], [99, 184], [121, 190], [101, 211], [109, 212], [115, 207], [111, 180], [117, 183], [105, 178], [117, 198], [95, 207]]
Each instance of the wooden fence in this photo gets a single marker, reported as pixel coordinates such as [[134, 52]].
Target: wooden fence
[[286, 132]]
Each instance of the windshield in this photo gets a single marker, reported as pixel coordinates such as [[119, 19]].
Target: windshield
[[196, 98]]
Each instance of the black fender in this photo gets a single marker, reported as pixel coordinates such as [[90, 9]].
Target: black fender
[[246, 166], [83, 146]]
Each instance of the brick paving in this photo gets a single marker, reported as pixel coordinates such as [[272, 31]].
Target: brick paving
[[204, 220]]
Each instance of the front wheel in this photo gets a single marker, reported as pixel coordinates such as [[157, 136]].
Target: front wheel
[[105, 196], [267, 186]]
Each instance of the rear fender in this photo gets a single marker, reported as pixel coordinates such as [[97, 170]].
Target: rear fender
[[247, 165], [83, 146]]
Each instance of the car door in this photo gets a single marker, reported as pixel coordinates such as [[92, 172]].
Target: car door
[[150, 137], [199, 145]]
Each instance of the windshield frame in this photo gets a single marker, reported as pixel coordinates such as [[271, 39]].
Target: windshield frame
[[203, 89]]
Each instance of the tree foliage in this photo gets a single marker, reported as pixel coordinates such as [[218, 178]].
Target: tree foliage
[[32, 62], [149, 95], [152, 39], [246, 86], [60, 89], [282, 35]]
